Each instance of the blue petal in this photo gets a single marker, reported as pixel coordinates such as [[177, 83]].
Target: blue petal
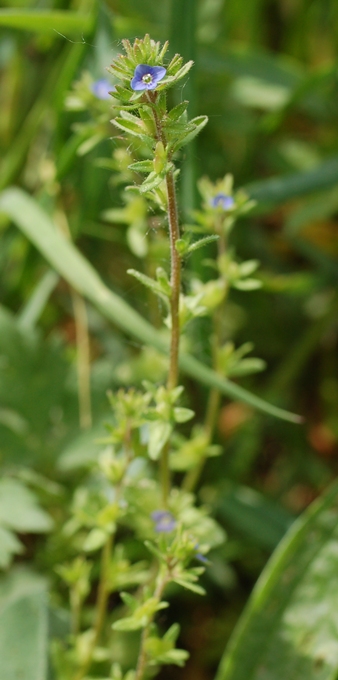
[[222, 201], [164, 521], [141, 70], [101, 88]]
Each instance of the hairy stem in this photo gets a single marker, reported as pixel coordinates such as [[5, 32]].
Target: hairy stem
[[192, 477], [175, 282]]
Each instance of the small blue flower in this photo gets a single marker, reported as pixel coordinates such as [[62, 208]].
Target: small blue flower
[[199, 556], [222, 201], [164, 521], [147, 77], [101, 88]]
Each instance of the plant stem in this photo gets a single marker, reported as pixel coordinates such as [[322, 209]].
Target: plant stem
[[142, 657], [191, 479], [101, 606], [175, 282], [103, 590]]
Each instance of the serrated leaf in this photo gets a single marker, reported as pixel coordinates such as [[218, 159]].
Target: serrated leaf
[[178, 111], [152, 182], [202, 242], [198, 124], [184, 70], [141, 166], [132, 129]]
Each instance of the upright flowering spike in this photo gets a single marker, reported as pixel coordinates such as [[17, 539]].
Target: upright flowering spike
[[147, 77]]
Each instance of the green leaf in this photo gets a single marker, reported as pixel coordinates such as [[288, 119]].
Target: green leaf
[[247, 367], [289, 627], [32, 311], [46, 20], [182, 415], [189, 586], [246, 284], [142, 166], [130, 623], [95, 540], [151, 182], [19, 509], [71, 264], [202, 242], [159, 434], [23, 627], [147, 281], [82, 451], [9, 546], [178, 111], [132, 128], [184, 70], [198, 124], [249, 513]]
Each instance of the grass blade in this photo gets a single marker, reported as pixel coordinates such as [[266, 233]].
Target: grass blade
[[280, 189], [46, 20], [289, 627]]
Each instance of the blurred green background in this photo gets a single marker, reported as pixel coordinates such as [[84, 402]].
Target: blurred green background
[[266, 74]]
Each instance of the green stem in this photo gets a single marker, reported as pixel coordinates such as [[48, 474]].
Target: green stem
[[175, 282], [101, 606], [191, 479], [142, 658], [103, 590]]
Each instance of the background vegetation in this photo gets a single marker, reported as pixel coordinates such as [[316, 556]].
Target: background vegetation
[[266, 75]]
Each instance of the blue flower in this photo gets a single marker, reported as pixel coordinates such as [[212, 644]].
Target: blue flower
[[101, 88], [222, 201], [164, 521], [199, 556], [147, 77]]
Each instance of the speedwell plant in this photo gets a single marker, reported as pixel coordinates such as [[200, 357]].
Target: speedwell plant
[[151, 535]]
